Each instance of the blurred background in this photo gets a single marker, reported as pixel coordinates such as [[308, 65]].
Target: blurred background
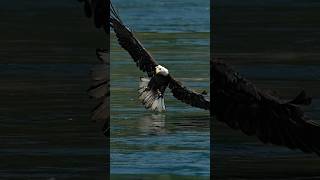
[[46, 51], [276, 45]]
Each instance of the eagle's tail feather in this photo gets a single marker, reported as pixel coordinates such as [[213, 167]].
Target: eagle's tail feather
[[151, 99]]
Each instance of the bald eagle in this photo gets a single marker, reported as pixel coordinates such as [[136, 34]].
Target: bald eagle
[[152, 88]]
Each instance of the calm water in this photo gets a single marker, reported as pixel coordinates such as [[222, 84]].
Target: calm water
[[277, 46], [174, 143]]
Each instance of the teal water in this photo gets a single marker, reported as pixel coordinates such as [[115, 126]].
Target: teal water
[[175, 143], [165, 15]]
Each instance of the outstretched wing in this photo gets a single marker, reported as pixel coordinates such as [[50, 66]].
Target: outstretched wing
[[99, 88], [188, 96], [239, 104], [128, 41]]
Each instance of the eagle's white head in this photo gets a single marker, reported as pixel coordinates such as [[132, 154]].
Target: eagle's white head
[[162, 70]]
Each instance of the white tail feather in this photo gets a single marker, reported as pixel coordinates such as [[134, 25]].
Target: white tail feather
[[150, 99]]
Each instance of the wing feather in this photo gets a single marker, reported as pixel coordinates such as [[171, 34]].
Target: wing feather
[[239, 104], [99, 88], [188, 96], [130, 43]]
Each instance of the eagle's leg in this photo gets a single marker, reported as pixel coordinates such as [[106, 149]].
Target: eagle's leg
[[159, 93], [151, 97]]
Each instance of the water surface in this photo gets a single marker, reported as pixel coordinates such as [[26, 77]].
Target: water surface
[[174, 144]]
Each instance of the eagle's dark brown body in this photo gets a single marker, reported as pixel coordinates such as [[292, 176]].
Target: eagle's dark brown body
[[159, 83]]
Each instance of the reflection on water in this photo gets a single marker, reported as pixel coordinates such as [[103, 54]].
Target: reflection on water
[[159, 144], [153, 124]]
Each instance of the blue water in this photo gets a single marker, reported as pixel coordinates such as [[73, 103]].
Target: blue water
[[175, 142], [165, 15]]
